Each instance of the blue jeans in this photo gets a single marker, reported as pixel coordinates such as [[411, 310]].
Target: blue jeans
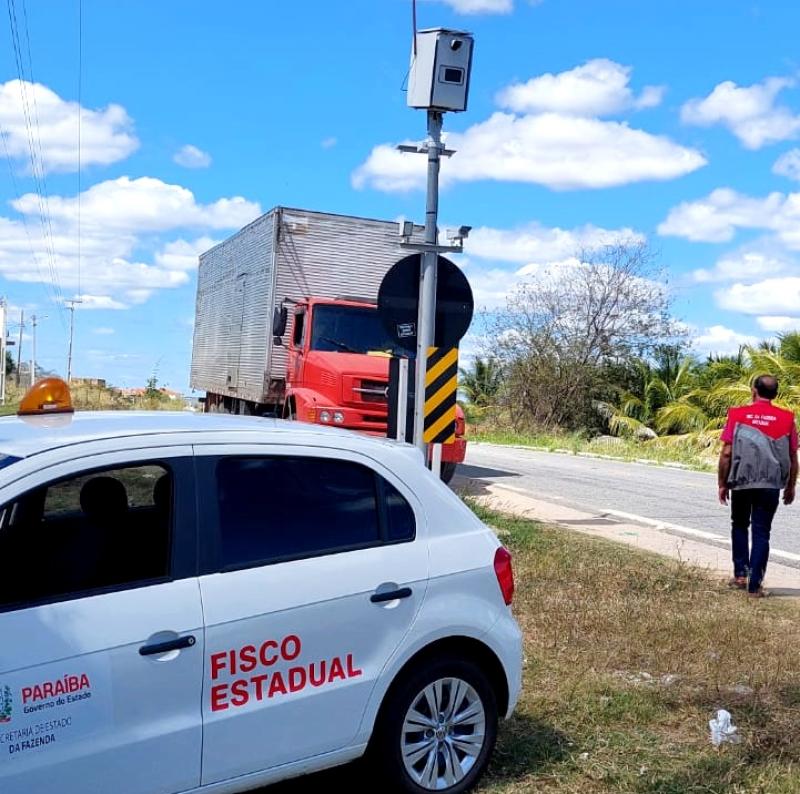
[[756, 506]]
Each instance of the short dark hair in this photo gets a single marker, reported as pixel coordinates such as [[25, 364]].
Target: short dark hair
[[766, 386]]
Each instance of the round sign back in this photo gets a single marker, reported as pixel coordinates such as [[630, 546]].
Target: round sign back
[[398, 301]]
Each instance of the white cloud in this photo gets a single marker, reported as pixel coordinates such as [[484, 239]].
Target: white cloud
[[722, 341], [329, 143], [750, 113], [183, 255], [556, 142], [119, 219], [716, 217], [771, 296], [144, 204], [106, 135], [103, 331], [89, 302], [536, 243], [191, 157], [788, 165], [561, 152], [490, 285], [779, 324], [746, 264], [597, 88], [480, 6]]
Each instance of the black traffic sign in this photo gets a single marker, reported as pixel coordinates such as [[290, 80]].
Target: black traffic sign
[[398, 301]]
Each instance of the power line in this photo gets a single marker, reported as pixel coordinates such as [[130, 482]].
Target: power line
[[34, 144], [38, 141], [80, 117]]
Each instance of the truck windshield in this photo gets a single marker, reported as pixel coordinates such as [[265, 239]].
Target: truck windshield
[[349, 329]]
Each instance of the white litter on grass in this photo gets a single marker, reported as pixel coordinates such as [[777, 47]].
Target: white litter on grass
[[723, 730]]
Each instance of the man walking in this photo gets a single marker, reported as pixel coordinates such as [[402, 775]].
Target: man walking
[[758, 458]]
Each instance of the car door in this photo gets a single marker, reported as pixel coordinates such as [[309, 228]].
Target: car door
[[317, 574], [101, 627]]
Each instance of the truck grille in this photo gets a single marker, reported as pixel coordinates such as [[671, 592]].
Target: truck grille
[[372, 391]]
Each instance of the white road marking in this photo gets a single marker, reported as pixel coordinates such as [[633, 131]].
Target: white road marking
[[657, 524], [698, 533]]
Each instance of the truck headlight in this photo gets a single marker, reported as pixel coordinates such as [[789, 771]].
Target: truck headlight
[[338, 417], [325, 416]]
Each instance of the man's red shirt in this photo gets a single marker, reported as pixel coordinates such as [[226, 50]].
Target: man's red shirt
[[768, 418]]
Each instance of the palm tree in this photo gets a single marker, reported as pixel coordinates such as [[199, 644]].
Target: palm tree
[[664, 400], [482, 383]]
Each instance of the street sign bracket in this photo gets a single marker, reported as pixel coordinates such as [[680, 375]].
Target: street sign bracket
[[424, 148], [433, 247]]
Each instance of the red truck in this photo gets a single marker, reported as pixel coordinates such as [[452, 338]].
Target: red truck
[[278, 331]]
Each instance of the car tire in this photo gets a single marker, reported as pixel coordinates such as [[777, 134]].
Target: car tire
[[447, 472], [442, 754]]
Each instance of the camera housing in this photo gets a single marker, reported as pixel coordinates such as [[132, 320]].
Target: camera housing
[[440, 70]]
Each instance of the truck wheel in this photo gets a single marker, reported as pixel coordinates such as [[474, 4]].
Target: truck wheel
[[438, 730], [447, 472]]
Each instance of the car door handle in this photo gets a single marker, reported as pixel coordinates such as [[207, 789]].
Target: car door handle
[[157, 648], [390, 595]]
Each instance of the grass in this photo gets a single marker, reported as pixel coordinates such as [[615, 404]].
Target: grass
[[97, 398], [627, 657], [662, 450]]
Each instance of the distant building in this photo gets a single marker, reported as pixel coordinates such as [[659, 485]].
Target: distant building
[[95, 383]]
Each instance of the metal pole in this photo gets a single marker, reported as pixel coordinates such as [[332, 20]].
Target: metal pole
[[19, 348], [436, 459], [71, 334], [3, 312], [427, 281], [402, 399], [33, 351]]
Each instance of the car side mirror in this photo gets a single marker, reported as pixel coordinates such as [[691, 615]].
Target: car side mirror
[[279, 320]]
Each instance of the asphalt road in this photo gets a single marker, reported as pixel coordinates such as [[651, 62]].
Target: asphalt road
[[685, 498]]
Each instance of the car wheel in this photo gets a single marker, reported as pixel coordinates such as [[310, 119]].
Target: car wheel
[[438, 730], [447, 471]]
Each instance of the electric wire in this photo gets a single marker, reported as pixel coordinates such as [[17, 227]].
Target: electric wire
[[42, 173], [34, 143]]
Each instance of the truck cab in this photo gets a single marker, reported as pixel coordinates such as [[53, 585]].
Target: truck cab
[[338, 369]]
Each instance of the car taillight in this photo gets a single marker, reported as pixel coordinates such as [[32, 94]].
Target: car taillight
[[505, 573]]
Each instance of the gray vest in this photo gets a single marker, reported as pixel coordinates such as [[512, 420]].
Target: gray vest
[[758, 460]]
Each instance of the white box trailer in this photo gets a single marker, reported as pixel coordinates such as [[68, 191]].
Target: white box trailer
[[286, 253]]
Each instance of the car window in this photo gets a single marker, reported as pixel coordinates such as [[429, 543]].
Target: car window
[[279, 508], [139, 482], [401, 524], [102, 529]]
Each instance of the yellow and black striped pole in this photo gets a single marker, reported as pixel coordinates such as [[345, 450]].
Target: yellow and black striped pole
[[441, 386]]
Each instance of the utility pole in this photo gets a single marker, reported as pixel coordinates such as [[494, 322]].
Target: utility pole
[[34, 321], [19, 347], [3, 375], [72, 304], [427, 276]]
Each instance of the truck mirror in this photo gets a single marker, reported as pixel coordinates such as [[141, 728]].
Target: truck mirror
[[279, 320]]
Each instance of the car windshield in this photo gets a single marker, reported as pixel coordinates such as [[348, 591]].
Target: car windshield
[[349, 329], [7, 460]]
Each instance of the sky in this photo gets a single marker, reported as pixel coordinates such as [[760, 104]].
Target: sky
[[676, 123]]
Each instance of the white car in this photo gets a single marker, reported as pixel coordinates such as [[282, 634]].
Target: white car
[[193, 603]]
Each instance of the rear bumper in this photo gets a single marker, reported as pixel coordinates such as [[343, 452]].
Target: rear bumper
[[507, 642]]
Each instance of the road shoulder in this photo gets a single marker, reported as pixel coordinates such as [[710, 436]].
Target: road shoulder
[[781, 580]]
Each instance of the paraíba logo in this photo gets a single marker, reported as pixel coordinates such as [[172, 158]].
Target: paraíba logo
[[6, 704]]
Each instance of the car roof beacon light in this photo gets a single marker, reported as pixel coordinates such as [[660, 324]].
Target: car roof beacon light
[[47, 396]]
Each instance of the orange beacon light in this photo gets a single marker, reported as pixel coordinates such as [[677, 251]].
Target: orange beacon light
[[47, 396]]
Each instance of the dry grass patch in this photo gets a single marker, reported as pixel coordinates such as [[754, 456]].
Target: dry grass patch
[[627, 658]]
